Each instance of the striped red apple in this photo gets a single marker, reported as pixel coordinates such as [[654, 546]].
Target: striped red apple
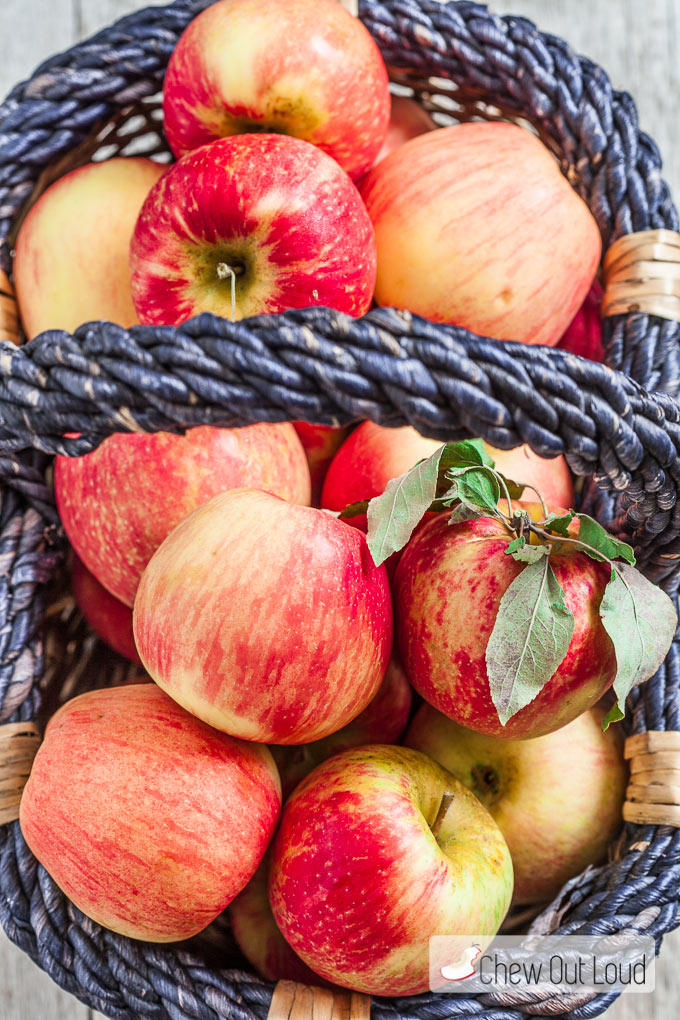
[[267, 620], [147, 819], [250, 225], [293, 67], [119, 502]]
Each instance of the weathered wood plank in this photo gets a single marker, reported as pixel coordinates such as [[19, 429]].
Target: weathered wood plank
[[26, 993], [32, 30]]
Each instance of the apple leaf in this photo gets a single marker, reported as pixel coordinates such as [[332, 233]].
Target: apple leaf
[[593, 534], [477, 488], [393, 516], [640, 620], [462, 513], [354, 509], [559, 523], [529, 640], [467, 453], [522, 551]]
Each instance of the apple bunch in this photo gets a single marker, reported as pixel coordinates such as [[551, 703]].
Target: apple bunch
[[263, 767]]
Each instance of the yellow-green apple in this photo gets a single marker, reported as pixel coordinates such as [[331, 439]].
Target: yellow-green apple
[[293, 67], [72, 254], [447, 589], [265, 619], [583, 335], [119, 502], [382, 722], [378, 849], [477, 226], [408, 119], [149, 820], [320, 443], [372, 455], [250, 225], [108, 617], [259, 938], [557, 799]]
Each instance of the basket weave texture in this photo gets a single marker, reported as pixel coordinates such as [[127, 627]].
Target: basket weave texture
[[619, 425]]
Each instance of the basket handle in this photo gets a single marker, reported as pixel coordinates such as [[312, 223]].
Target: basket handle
[[19, 743], [293, 1001]]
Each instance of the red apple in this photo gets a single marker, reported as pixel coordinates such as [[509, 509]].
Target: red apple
[[320, 443], [119, 502], [259, 938], [476, 225], [275, 212], [380, 848], [557, 799], [292, 67], [72, 254], [108, 617], [267, 620], [408, 119], [372, 455], [147, 819], [583, 335], [382, 722], [447, 589]]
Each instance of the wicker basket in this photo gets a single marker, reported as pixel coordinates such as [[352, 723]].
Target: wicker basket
[[619, 427]]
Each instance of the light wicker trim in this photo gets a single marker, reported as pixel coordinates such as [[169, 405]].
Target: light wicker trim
[[19, 743], [642, 274], [653, 794]]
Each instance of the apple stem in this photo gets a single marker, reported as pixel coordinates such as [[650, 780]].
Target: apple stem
[[446, 802], [223, 271]]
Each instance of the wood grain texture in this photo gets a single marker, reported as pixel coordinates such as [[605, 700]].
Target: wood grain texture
[[639, 45]]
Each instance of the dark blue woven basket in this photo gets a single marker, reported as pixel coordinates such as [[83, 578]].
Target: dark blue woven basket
[[619, 427]]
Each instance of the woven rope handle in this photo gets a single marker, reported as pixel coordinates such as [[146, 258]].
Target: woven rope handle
[[292, 1001], [642, 274], [653, 794], [19, 743]]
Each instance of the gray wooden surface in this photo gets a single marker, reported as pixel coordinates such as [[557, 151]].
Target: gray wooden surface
[[639, 44]]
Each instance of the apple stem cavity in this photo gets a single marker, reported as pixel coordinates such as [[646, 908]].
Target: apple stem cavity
[[445, 804]]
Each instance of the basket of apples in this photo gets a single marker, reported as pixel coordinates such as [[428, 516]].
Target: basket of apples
[[339, 529]]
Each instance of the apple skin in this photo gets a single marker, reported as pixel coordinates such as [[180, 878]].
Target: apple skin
[[358, 882], [283, 213], [71, 264], [320, 443], [300, 67], [267, 620], [549, 475], [383, 721], [447, 589], [147, 819], [476, 226], [557, 799], [372, 455], [408, 119], [109, 618], [583, 335], [119, 502], [258, 937]]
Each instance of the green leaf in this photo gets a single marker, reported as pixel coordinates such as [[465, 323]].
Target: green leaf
[[393, 516], [515, 489], [467, 453], [477, 488], [462, 513], [640, 620], [524, 552], [613, 715], [529, 640], [559, 523], [354, 509], [593, 534]]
